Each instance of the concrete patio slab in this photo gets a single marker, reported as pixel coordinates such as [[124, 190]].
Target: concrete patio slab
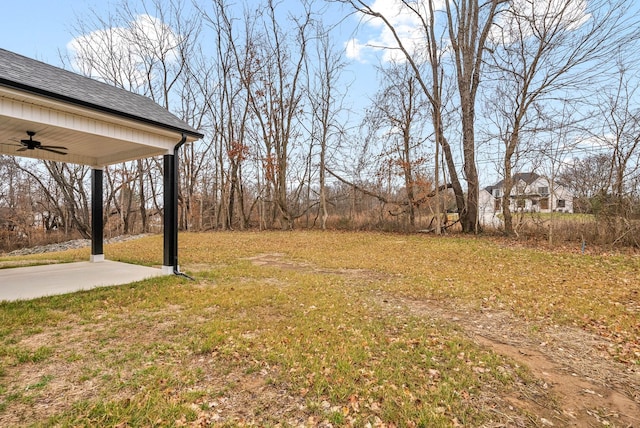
[[23, 283]]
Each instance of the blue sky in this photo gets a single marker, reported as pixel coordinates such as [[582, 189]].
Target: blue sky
[[39, 28]]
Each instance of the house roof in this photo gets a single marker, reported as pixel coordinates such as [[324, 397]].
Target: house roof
[[29, 75], [527, 177], [95, 123]]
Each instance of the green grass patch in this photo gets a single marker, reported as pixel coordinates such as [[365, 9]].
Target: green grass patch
[[305, 337]]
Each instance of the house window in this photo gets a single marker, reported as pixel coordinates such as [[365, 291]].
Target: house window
[[521, 203], [543, 190], [560, 203], [497, 205], [544, 203], [496, 193], [534, 202]]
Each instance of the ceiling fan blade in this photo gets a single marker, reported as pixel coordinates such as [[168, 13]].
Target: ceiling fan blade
[[22, 149], [54, 147], [46, 148]]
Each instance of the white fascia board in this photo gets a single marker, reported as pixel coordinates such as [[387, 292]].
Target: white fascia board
[[33, 108]]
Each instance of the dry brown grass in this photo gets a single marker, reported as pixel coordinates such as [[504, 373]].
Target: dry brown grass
[[341, 329]]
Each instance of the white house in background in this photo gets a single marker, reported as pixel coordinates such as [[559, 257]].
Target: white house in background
[[530, 193]]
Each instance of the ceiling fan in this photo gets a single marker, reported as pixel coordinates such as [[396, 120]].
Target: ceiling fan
[[32, 144]]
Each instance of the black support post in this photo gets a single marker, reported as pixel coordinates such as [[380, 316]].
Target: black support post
[[170, 263], [97, 225]]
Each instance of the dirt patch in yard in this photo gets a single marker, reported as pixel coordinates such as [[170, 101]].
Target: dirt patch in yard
[[571, 365], [591, 389]]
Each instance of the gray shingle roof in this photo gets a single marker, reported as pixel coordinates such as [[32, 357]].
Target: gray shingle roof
[[26, 74], [527, 177]]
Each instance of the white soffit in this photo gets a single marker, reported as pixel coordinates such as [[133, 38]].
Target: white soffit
[[91, 137]]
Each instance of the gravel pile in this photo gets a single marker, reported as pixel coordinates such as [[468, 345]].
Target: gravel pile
[[68, 245]]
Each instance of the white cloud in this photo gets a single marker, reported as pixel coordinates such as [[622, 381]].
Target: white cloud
[[570, 14], [119, 54], [598, 142], [353, 49], [406, 22]]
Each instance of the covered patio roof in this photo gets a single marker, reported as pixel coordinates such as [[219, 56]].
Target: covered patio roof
[[79, 120], [98, 124]]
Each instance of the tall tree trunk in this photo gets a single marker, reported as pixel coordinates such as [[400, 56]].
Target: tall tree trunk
[[508, 182], [506, 197], [468, 36]]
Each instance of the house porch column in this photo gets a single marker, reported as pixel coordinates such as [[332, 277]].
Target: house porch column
[[170, 243], [97, 225]]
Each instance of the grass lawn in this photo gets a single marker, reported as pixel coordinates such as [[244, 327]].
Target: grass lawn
[[331, 329]]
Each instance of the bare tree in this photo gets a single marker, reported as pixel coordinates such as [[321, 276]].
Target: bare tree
[[64, 187], [17, 200], [230, 109], [539, 49], [9, 179], [273, 80], [470, 23], [620, 133], [588, 178], [397, 121], [554, 152], [467, 24], [325, 101]]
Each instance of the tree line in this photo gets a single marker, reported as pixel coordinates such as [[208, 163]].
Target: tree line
[[498, 86]]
